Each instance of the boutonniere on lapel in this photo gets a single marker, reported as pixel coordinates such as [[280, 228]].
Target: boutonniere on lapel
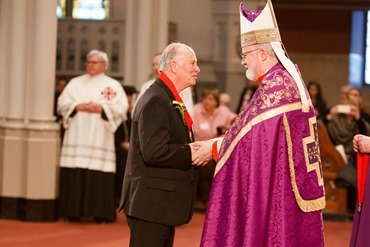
[[182, 108]]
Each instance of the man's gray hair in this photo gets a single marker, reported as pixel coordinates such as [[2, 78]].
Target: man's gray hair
[[101, 55], [169, 54], [268, 48]]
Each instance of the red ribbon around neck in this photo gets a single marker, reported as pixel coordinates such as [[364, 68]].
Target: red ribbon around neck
[[169, 84]]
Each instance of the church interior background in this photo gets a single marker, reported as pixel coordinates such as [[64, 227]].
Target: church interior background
[[42, 40]]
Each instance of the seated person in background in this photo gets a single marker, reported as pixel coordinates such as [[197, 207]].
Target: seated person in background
[[333, 110], [210, 115], [210, 120], [246, 95], [225, 99], [345, 123], [318, 102], [344, 91], [355, 94]]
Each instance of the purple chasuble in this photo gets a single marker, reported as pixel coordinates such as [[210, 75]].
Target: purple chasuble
[[268, 185], [360, 229]]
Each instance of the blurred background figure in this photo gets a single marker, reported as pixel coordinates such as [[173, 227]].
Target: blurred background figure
[[93, 105], [152, 76], [355, 94], [349, 92], [210, 120], [122, 139], [344, 91], [346, 122], [246, 95], [318, 101], [59, 87], [225, 100]]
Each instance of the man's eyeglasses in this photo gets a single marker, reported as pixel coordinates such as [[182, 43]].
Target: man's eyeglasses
[[245, 54], [93, 62]]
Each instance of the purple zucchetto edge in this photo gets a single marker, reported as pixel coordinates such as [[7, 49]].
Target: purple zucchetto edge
[[250, 15]]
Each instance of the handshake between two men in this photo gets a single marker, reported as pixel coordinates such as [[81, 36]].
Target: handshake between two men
[[201, 152]]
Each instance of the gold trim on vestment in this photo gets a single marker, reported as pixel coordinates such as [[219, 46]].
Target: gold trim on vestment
[[313, 152], [273, 15], [304, 205], [258, 119], [260, 37]]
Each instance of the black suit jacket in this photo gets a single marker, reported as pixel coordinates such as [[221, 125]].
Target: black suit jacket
[[160, 182]]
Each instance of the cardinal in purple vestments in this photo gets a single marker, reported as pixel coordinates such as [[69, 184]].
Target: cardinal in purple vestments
[[268, 185]]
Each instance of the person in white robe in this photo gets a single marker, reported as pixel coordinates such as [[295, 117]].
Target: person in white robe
[[92, 105]]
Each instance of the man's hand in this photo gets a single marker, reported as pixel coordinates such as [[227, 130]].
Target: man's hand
[[361, 143], [125, 145], [90, 107], [355, 112], [201, 152]]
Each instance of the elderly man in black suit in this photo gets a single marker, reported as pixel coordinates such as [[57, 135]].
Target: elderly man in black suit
[[161, 174]]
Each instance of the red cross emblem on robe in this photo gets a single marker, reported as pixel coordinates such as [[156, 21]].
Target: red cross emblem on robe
[[108, 93]]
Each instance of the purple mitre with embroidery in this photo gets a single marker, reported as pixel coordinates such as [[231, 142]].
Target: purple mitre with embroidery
[[250, 15]]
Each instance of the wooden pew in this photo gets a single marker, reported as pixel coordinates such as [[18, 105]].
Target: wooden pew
[[332, 161]]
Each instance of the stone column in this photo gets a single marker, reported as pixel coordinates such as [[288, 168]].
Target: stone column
[[4, 50], [17, 62], [29, 138], [4, 76], [146, 33], [163, 25], [43, 55], [43, 139], [130, 47], [12, 141], [230, 74]]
